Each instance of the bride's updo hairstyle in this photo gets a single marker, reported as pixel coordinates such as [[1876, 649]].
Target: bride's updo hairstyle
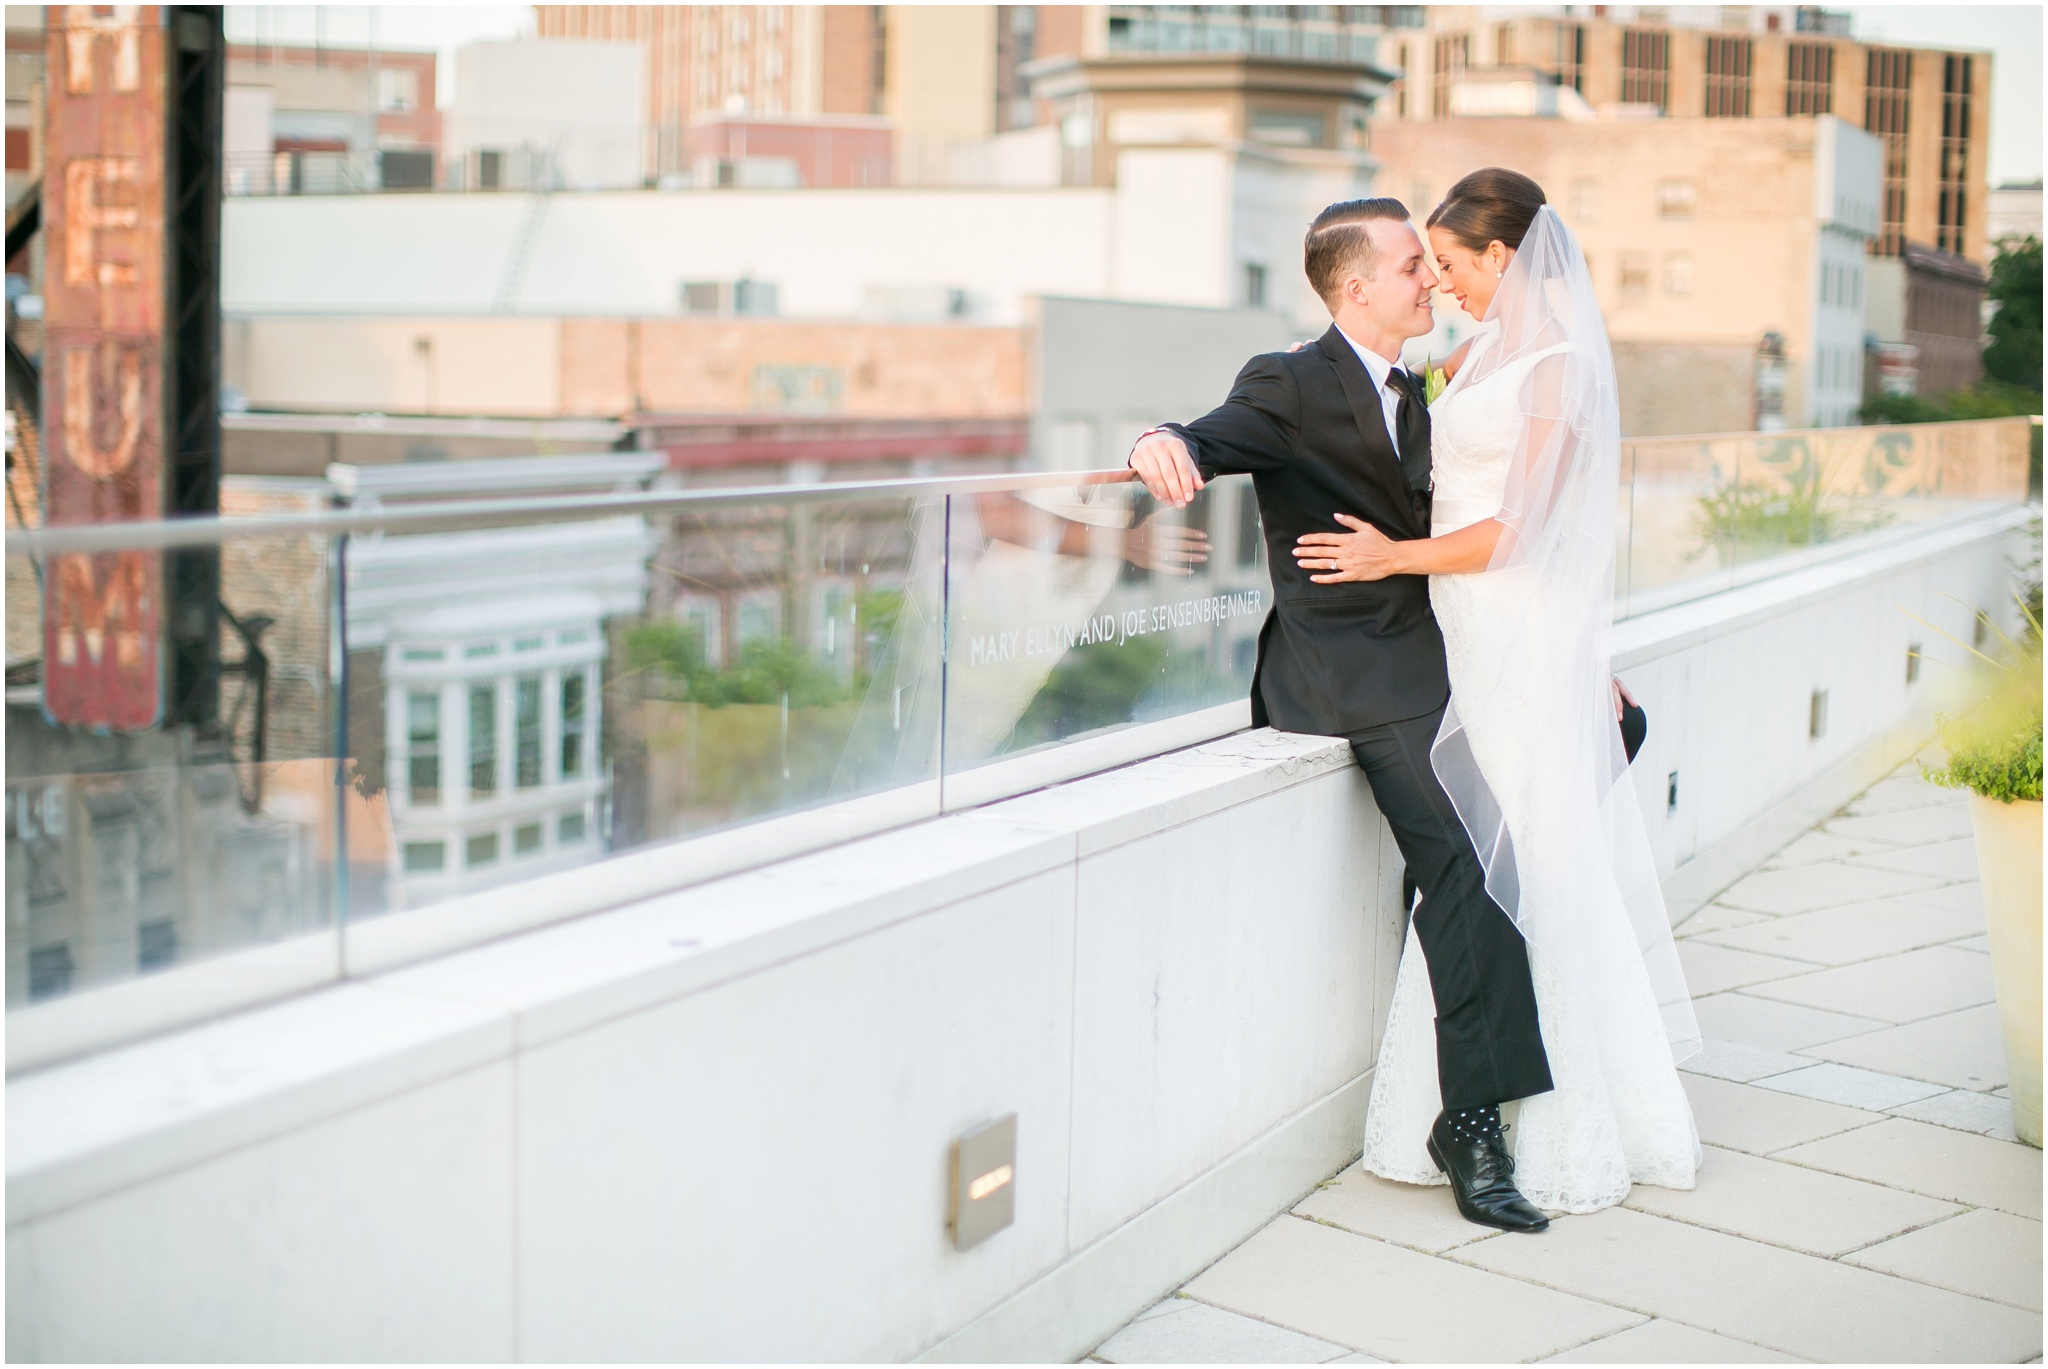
[[1492, 204]]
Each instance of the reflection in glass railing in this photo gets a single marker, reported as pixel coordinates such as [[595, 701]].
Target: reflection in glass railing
[[528, 699], [1702, 514], [1073, 610], [209, 827], [288, 722]]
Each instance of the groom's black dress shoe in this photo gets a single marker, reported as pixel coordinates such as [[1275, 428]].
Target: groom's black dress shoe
[[1470, 1148]]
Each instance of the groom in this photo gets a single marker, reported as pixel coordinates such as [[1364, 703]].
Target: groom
[[1338, 431]]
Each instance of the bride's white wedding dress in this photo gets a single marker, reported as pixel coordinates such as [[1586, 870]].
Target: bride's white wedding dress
[[1618, 1114]]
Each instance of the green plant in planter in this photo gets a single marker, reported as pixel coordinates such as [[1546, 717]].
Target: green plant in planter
[[1995, 749]]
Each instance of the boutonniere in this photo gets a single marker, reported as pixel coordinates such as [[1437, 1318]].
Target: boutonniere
[[1433, 381]]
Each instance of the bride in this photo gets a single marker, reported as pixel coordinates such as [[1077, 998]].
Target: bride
[[1526, 444]]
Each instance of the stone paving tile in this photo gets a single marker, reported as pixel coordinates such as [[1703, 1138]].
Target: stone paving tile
[[1980, 944], [1937, 1161], [1945, 860], [1668, 1342], [1770, 1025], [1819, 847], [1966, 895], [1984, 1253], [1853, 932], [1715, 969], [1912, 827], [1715, 917], [1799, 1304], [1184, 1331], [1741, 1064], [1902, 790], [1851, 1087], [1900, 988], [1422, 1217], [1961, 1049], [1987, 1114], [1395, 1303], [1802, 1209], [1808, 888], [1743, 1117]]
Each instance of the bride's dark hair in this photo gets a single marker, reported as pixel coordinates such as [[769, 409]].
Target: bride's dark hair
[[1492, 204]]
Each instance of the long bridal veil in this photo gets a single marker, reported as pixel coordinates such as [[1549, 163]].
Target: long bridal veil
[[1548, 660]]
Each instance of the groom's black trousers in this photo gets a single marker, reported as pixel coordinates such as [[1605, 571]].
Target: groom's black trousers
[[1489, 1048]]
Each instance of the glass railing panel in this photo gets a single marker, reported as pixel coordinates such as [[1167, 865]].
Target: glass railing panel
[[171, 801], [525, 700], [1081, 610], [1709, 513]]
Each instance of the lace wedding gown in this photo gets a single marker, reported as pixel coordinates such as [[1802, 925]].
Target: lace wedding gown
[[1618, 1114]]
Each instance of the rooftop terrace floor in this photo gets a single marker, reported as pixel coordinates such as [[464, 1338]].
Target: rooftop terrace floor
[[1863, 1197]]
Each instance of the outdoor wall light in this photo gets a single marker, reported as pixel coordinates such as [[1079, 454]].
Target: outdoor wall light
[[983, 1185], [1913, 663], [1671, 793], [1817, 715]]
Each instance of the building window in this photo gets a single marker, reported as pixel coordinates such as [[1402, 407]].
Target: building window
[[1254, 285], [483, 739], [526, 839], [1887, 109], [1677, 199], [1570, 58], [569, 828], [423, 746], [1809, 78], [1635, 273], [1646, 68], [1585, 202], [1728, 66], [573, 720], [1453, 55], [1504, 45], [481, 849], [1678, 273], [1951, 218], [526, 720], [424, 857]]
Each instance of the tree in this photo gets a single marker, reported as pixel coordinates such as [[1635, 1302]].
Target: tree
[[2014, 355]]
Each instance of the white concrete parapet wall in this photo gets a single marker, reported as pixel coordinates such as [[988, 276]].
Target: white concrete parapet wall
[[714, 1124]]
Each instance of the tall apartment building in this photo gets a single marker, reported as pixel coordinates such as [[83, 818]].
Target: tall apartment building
[[1931, 107], [778, 61]]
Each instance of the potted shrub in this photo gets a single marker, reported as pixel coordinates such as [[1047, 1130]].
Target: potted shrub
[[1994, 751]]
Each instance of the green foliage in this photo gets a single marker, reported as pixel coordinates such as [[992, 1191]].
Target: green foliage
[[1090, 689], [766, 672], [1987, 399], [1751, 514], [1995, 749], [2014, 355]]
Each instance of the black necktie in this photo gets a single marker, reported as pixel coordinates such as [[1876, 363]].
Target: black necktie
[[1411, 430]]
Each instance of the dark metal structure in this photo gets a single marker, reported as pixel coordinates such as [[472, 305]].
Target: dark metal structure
[[197, 56]]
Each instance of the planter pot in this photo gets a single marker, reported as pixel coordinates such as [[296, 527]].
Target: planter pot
[[2009, 858]]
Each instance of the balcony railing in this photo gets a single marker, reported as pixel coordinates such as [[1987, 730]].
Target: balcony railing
[[602, 697]]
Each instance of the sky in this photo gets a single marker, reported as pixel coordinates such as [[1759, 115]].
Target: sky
[[2012, 33]]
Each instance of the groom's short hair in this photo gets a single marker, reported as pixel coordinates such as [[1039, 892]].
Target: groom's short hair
[[1338, 242]]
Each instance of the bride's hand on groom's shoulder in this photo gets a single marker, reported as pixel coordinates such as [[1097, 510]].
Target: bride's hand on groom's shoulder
[[1332, 558]]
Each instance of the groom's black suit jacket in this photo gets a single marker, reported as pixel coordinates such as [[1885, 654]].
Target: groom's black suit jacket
[[1333, 659]]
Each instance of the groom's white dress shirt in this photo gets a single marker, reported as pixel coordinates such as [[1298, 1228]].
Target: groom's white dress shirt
[[1379, 368]]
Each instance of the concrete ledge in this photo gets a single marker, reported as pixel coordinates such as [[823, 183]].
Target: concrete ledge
[[1071, 1310]]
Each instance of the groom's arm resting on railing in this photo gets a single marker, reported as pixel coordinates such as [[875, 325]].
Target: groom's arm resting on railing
[[1253, 430]]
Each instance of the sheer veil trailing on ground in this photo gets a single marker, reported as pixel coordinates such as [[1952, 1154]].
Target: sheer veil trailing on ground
[[1548, 659]]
